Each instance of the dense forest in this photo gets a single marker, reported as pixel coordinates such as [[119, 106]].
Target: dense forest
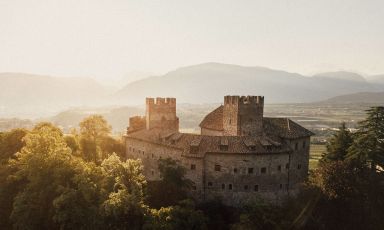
[[81, 180]]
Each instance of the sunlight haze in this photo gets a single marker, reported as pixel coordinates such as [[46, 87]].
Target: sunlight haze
[[109, 39]]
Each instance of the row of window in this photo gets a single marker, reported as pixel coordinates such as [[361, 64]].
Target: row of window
[[140, 151], [245, 187], [263, 170]]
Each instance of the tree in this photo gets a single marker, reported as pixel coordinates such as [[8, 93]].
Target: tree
[[11, 142], [111, 145], [338, 144], [46, 187], [72, 143], [44, 165], [368, 147], [182, 216], [173, 186], [125, 184], [90, 150], [94, 128]]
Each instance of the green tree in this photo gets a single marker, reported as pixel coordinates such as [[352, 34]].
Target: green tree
[[11, 142], [173, 186], [368, 147], [72, 143], [182, 216], [338, 144], [109, 145], [44, 164], [125, 184], [94, 128]]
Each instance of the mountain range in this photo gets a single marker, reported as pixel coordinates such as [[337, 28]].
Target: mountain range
[[27, 95]]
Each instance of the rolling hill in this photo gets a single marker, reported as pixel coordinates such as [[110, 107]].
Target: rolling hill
[[209, 82], [367, 98]]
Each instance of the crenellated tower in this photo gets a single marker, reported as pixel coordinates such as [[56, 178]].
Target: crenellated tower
[[243, 115], [161, 113]]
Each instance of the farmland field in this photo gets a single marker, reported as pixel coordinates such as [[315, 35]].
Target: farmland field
[[315, 154]]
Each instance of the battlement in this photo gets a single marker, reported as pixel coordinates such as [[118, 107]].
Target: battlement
[[136, 123], [243, 115], [161, 113], [235, 100], [161, 101]]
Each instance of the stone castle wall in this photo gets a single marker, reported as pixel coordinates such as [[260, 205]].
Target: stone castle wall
[[161, 113], [210, 132], [239, 178], [243, 115], [235, 178]]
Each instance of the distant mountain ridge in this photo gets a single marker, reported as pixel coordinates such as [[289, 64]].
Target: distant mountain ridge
[[32, 96], [209, 82]]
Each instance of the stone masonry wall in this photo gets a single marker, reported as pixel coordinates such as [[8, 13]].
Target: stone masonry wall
[[150, 153], [239, 178]]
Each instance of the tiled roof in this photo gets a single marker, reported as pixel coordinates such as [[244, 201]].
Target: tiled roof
[[285, 128], [213, 120], [275, 130], [282, 127], [212, 144]]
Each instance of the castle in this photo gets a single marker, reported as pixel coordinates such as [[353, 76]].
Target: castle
[[239, 155]]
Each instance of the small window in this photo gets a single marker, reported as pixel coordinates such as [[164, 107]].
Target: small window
[[152, 172], [287, 166], [304, 144], [299, 166], [193, 166], [263, 170], [230, 186], [222, 186], [133, 149], [217, 168], [143, 152], [279, 168], [281, 186], [223, 147], [230, 120], [194, 187], [250, 170], [245, 187], [235, 170], [256, 188], [210, 184], [296, 146], [153, 155]]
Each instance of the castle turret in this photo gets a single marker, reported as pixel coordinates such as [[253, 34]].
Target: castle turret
[[161, 113], [243, 116]]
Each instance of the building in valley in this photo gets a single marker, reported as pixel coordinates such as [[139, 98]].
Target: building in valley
[[239, 155]]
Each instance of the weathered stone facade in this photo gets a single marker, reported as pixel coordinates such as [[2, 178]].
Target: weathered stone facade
[[239, 156]]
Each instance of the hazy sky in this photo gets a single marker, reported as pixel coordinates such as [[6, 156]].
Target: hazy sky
[[110, 38]]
